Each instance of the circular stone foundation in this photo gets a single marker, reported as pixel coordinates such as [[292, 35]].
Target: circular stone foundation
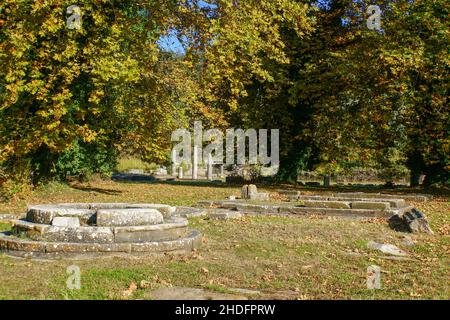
[[97, 229]]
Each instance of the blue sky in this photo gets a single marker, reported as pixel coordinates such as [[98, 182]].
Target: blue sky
[[171, 42]]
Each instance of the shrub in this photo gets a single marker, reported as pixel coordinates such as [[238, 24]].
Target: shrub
[[128, 162], [84, 160]]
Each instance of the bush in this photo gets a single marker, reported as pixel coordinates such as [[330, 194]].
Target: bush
[[126, 163], [84, 160]]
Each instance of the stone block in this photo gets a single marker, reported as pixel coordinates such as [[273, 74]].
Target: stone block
[[386, 248], [254, 208], [208, 203], [128, 217], [259, 196], [188, 212], [326, 204], [100, 206], [166, 210], [44, 214], [417, 222], [224, 214], [161, 232], [30, 229], [25, 245], [68, 222], [252, 189], [350, 213], [79, 235], [397, 203], [135, 236], [370, 205]]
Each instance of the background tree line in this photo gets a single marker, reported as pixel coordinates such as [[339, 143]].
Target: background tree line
[[72, 101]]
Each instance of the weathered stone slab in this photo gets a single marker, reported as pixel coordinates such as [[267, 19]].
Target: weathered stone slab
[[87, 247], [326, 204], [387, 248], [78, 235], [12, 244], [44, 214], [370, 205], [231, 205], [168, 231], [289, 192], [68, 222], [188, 212], [394, 203], [146, 235], [100, 206], [219, 214], [75, 205], [29, 229], [128, 217], [166, 210], [184, 244], [28, 246], [316, 198], [416, 197], [209, 203], [351, 213], [259, 196], [37, 215], [246, 207]]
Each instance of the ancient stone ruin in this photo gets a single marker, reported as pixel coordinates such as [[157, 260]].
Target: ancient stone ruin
[[98, 229], [251, 192], [400, 215]]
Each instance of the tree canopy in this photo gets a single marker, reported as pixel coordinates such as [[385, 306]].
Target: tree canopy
[[339, 92]]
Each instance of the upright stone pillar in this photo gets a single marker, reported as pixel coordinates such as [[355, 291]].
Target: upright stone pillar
[[222, 170], [210, 168], [326, 181], [244, 192], [180, 172], [195, 164], [174, 164]]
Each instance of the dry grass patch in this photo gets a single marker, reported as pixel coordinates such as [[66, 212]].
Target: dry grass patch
[[283, 257]]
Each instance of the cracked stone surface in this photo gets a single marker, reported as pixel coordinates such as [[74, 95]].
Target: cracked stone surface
[[387, 249]]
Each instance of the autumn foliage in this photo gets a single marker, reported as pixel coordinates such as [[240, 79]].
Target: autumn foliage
[[339, 93]]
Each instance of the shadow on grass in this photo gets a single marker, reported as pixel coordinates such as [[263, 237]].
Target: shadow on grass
[[186, 183], [274, 186], [97, 190]]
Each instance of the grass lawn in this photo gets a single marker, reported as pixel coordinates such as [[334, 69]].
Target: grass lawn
[[282, 257]]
